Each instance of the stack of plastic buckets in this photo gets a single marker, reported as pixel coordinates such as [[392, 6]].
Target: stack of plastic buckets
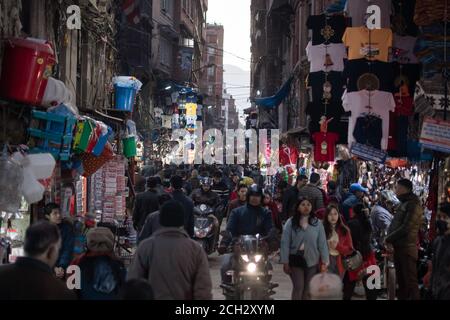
[[125, 90]]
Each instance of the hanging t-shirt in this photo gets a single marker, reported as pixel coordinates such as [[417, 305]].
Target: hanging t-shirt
[[369, 44], [381, 103], [403, 50], [333, 111], [355, 69], [409, 73], [369, 131], [324, 146], [326, 57], [288, 155], [357, 10], [404, 105], [326, 29], [317, 81]]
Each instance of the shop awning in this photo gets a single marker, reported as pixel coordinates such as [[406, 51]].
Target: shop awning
[[274, 101]]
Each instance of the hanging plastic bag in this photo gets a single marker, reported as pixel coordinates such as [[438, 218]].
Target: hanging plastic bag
[[11, 178]]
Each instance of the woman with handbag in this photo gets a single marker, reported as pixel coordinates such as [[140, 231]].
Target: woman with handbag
[[361, 233], [339, 240], [303, 246]]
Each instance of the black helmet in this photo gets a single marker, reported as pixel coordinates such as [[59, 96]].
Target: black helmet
[[205, 181], [254, 190]]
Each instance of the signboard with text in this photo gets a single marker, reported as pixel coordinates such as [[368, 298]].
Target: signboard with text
[[436, 135]]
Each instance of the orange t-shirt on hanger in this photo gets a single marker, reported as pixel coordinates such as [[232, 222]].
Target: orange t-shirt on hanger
[[357, 41]]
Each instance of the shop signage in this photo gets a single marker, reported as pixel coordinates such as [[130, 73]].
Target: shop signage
[[368, 153], [436, 135]]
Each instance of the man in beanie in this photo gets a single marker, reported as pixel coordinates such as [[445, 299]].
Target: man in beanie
[[403, 236], [175, 266], [102, 273], [311, 191]]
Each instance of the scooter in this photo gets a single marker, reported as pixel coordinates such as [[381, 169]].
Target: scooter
[[206, 228]]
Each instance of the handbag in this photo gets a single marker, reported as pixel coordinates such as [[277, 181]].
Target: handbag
[[353, 261], [297, 260]]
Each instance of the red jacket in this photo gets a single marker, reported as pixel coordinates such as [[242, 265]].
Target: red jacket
[[275, 215], [345, 248]]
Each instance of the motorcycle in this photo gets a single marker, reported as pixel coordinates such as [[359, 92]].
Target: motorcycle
[[206, 228], [251, 271]]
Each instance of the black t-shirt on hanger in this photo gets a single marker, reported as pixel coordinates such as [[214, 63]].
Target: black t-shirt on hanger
[[333, 110], [354, 69], [322, 34], [317, 80]]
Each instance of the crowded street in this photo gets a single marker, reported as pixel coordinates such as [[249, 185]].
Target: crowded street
[[211, 150]]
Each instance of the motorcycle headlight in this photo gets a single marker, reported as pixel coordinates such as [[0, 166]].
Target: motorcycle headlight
[[251, 267], [201, 233], [258, 258], [245, 258]]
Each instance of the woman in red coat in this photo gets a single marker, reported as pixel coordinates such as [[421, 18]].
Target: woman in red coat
[[271, 205], [339, 240]]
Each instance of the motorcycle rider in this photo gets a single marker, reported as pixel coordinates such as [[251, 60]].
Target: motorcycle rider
[[204, 195], [251, 219]]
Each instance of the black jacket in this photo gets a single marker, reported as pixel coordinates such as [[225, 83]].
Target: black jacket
[[361, 236], [440, 276], [31, 279], [209, 198], [188, 206], [290, 198], [145, 203]]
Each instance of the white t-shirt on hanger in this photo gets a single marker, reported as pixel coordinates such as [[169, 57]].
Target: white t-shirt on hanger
[[381, 102], [319, 62]]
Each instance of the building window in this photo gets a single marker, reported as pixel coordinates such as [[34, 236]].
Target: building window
[[211, 72], [210, 89], [166, 7], [165, 55]]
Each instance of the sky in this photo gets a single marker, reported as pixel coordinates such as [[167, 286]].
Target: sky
[[234, 15]]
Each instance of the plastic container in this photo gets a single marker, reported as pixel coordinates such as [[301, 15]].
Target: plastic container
[[124, 97], [129, 147], [41, 164], [32, 190], [27, 65]]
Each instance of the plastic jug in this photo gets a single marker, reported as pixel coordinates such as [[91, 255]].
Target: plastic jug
[[41, 164], [32, 190]]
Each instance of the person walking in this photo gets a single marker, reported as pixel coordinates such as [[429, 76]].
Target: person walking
[[240, 201], [102, 273], [152, 224], [145, 203], [339, 240], [270, 205], [403, 236], [356, 197], [440, 268], [313, 192], [66, 230], [178, 195], [303, 245], [361, 233], [175, 266], [290, 197], [32, 276]]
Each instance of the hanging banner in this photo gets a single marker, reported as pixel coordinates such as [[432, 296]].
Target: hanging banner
[[436, 135], [368, 153], [185, 55]]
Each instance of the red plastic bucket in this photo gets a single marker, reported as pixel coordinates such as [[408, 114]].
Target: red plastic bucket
[[27, 64]]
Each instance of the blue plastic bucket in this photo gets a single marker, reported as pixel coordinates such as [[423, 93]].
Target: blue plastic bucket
[[124, 97]]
